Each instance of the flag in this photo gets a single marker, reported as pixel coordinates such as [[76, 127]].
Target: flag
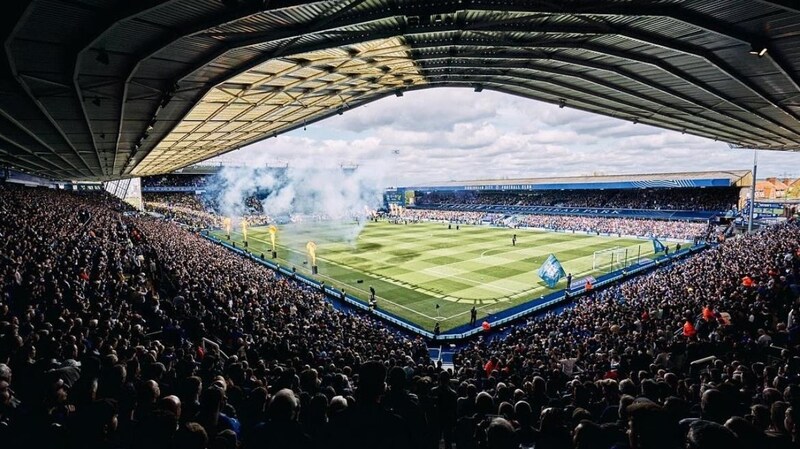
[[551, 271], [658, 247]]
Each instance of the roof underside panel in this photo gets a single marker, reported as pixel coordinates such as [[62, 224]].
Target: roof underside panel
[[279, 92], [104, 89]]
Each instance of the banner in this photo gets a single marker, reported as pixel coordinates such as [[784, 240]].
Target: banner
[[768, 209], [658, 247], [551, 271], [579, 283]]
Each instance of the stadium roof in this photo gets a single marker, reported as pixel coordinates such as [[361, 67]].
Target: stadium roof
[[738, 178], [98, 89]]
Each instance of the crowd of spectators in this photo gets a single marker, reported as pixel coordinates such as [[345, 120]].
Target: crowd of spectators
[[120, 331], [175, 180], [674, 229], [419, 215], [696, 199], [197, 211], [206, 200], [625, 354], [111, 328], [176, 199]]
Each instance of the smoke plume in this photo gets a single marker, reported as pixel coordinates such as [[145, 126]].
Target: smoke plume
[[305, 191]]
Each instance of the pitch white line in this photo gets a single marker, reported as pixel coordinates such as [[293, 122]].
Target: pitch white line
[[495, 303], [513, 249], [471, 281], [349, 286], [432, 294]]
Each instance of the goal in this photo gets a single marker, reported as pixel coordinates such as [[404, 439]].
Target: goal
[[612, 259]]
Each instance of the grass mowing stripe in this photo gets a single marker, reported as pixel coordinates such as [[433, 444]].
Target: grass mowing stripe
[[359, 289], [417, 266]]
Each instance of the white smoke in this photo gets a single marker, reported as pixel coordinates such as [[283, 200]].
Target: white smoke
[[307, 189]]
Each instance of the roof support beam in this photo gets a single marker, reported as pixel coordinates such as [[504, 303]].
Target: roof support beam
[[522, 72], [674, 12], [10, 142], [516, 61], [536, 94], [643, 59], [639, 112], [576, 103], [16, 75], [14, 106], [14, 162], [688, 75], [711, 58], [678, 47], [630, 57], [295, 33], [88, 123], [788, 5], [544, 8], [517, 42]]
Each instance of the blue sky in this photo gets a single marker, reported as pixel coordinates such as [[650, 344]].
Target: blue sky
[[457, 134]]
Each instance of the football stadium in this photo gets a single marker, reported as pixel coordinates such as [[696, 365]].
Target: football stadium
[[221, 227]]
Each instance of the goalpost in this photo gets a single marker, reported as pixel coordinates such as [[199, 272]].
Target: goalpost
[[612, 259]]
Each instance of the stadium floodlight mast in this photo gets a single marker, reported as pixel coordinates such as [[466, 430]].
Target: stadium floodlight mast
[[750, 214], [753, 192], [396, 153]]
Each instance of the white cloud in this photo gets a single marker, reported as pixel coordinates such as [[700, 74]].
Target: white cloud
[[445, 134], [431, 110]]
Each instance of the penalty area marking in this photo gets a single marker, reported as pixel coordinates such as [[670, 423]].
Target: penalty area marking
[[506, 250], [483, 254], [471, 281]]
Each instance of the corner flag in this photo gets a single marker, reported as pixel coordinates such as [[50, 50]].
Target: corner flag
[[658, 247], [551, 271]]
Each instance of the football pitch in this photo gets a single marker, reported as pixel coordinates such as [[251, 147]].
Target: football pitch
[[416, 266]]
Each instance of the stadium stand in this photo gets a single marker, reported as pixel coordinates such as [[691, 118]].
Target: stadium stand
[[183, 208], [673, 229], [714, 199], [197, 181], [668, 205], [687, 195], [129, 331], [192, 199], [200, 210]]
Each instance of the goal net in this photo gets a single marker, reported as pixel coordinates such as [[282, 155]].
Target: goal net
[[611, 259]]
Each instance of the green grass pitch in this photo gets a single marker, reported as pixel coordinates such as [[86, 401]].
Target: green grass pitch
[[416, 266]]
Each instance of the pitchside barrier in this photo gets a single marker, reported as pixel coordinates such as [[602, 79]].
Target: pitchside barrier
[[507, 316]]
